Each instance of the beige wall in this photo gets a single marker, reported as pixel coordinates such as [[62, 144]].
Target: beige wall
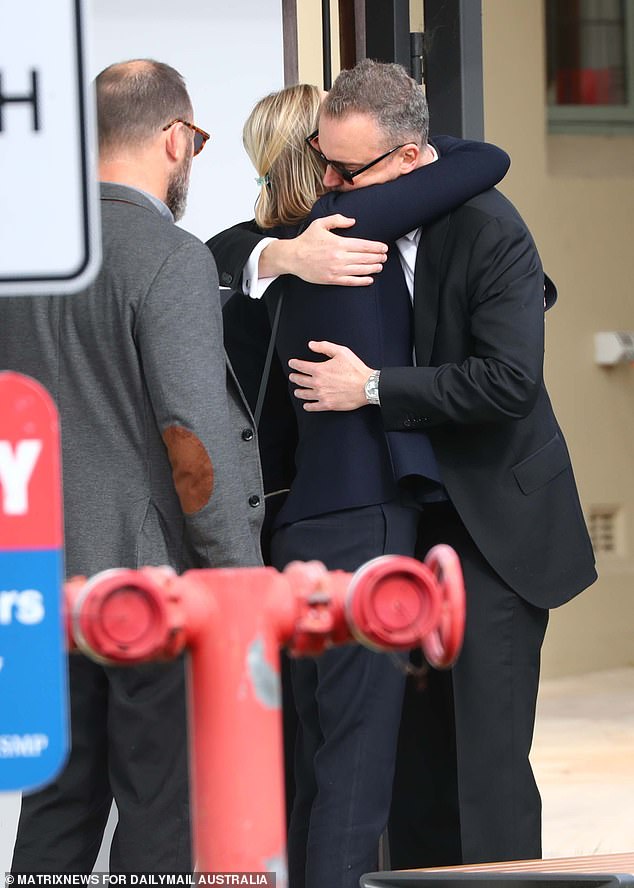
[[310, 40], [577, 195]]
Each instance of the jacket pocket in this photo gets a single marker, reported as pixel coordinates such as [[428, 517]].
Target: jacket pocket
[[542, 466]]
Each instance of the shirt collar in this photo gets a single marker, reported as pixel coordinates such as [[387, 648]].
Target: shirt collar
[[160, 205]]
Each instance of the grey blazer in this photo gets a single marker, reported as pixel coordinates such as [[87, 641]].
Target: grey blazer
[[160, 459]]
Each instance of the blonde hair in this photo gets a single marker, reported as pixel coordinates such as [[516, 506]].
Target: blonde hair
[[273, 137]]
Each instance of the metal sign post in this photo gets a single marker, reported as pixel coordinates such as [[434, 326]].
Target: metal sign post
[[33, 677], [49, 224]]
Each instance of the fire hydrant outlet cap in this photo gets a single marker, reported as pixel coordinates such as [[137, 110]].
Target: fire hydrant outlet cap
[[123, 619], [126, 617], [393, 601], [395, 604]]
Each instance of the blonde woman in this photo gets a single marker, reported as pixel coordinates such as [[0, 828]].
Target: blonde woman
[[344, 505]]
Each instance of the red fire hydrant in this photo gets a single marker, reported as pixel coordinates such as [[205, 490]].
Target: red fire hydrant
[[233, 624]]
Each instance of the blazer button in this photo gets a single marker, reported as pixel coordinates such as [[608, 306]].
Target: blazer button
[[226, 278], [254, 500], [247, 434]]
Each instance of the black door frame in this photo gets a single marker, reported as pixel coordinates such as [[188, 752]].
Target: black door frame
[[380, 29]]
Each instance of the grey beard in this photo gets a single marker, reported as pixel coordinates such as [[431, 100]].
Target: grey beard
[[177, 189]]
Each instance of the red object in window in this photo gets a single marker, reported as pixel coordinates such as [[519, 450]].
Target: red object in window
[[586, 86]]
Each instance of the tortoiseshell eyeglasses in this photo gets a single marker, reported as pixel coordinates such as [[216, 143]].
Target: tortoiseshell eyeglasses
[[200, 136]]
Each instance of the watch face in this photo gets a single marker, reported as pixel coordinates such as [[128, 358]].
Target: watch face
[[372, 389]]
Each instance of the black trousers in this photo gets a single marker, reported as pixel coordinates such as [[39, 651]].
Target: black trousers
[[348, 703], [464, 790], [129, 742]]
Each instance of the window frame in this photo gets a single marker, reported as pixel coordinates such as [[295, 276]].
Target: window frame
[[603, 119]]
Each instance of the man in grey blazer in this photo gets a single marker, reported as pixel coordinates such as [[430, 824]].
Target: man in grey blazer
[[160, 466]]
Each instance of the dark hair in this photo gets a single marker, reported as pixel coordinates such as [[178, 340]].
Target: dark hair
[[135, 99], [386, 92]]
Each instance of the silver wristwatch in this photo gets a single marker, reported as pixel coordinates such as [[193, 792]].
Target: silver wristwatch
[[372, 388]]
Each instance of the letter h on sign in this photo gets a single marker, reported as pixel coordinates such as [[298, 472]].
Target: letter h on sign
[[28, 99]]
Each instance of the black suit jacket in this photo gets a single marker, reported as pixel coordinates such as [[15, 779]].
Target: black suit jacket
[[247, 331], [479, 392]]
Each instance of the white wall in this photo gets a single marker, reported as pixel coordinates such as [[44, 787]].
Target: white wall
[[230, 55]]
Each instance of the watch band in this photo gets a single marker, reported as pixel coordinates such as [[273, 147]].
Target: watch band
[[372, 388]]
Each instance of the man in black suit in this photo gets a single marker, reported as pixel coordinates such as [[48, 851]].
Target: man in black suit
[[508, 502]]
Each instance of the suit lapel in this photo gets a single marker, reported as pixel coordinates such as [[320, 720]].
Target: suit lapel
[[427, 287]]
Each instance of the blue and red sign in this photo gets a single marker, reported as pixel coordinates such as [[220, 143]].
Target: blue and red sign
[[33, 672]]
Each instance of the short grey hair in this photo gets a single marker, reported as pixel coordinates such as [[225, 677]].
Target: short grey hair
[[385, 91], [135, 99]]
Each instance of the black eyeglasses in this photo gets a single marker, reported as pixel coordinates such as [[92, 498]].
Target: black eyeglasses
[[346, 175], [200, 136]]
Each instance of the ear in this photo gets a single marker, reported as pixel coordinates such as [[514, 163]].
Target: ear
[[409, 158], [176, 142]]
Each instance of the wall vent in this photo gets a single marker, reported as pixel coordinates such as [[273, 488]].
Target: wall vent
[[603, 525]]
